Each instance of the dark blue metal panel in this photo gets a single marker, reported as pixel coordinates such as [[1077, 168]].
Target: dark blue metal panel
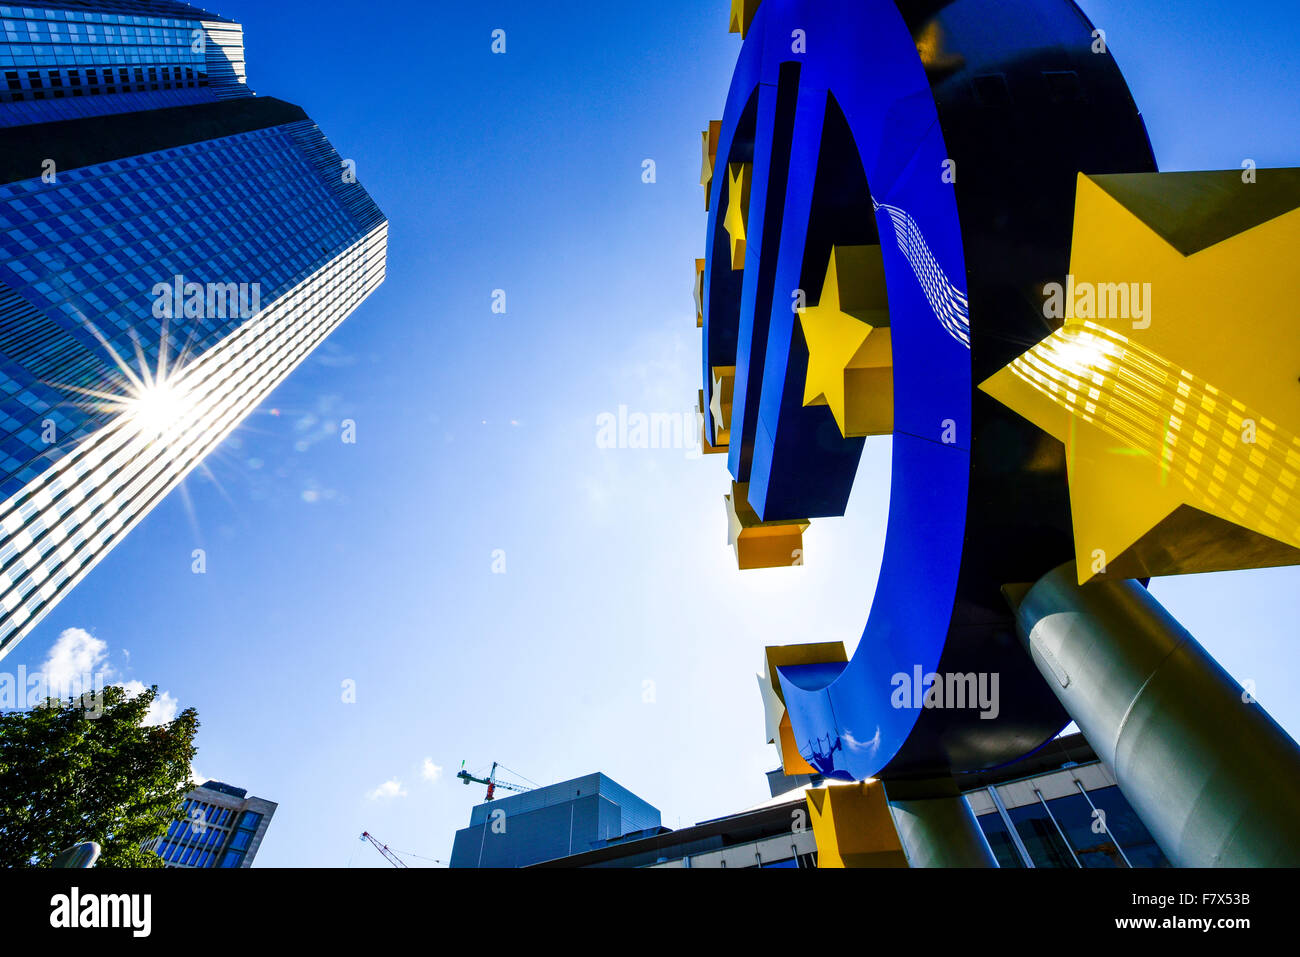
[[721, 283]]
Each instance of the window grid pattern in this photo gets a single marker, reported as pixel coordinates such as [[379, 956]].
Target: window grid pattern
[[1091, 828], [255, 207], [207, 835], [49, 55], [196, 837], [64, 522], [75, 108]]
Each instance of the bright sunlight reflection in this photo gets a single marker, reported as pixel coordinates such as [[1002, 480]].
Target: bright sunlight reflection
[[151, 401], [156, 407]]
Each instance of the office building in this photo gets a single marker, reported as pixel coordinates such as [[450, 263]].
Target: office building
[[218, 826], [63, 60], [1059, 808], [173, 247], [765, 836], [551, 822]]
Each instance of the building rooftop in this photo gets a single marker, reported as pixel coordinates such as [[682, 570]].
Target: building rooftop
[[225, 789], [171, 9], [638, 814]]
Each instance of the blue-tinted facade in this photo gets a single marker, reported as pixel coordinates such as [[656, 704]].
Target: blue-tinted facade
[[89, 249], [217, 826], [1068, 818], [65, 60], [550, 822], [173, 221]]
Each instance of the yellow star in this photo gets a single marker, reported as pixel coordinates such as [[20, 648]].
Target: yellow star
[[850, 362], [709, 149], [742, 14], [699, 293], [706, 447], [724, 384], [773, 712], [1172, 382], [761, 544], [737, 217]]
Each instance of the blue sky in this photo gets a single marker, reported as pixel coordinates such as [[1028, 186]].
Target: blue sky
[[476, 432]]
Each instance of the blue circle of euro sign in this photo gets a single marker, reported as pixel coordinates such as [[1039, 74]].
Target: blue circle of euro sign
[[959, 271]]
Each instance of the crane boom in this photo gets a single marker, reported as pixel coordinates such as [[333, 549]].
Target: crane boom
[[491, 781], [383, 849]]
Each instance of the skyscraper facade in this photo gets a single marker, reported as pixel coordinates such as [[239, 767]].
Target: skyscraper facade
[[217, 826], [62, 60], [173, 246]]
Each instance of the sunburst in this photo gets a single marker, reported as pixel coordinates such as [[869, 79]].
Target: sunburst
[[151, 402]]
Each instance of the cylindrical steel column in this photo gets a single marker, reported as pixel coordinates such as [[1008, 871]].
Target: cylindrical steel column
[[937, 831], [1213, 777]]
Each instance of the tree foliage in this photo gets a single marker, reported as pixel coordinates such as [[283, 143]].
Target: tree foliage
[[67, 776]]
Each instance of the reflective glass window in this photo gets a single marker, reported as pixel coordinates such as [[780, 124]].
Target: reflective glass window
[[1086, 831], [1139, 846], [999, 838], [1040, 837]]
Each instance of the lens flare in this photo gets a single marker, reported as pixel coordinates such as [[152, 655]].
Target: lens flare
[[156, 408], [150, 402]]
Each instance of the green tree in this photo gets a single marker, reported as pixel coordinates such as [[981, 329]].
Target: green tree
[[67, 775]]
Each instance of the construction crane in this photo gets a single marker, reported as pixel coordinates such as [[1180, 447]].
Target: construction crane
[[491, 780], [383, 849]]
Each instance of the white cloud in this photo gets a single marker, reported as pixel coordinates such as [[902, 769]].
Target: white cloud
[[162, 709], [391, 788], [430, 771], [78, 655], [75, 654]]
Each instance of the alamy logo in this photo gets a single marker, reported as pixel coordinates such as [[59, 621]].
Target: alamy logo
[[952, 690], [1105, 300], [653, 430], [179, 299], [26, 690], [132, 911]]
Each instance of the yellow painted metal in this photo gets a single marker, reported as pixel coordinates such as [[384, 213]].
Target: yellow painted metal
[[742, 14], [724, 386], [761, 544], [705, 446], [792, 761], [699, 293], [853, 826], [810, 653], [709, 151], [736, 220], [850, 360], [931, 46], [1172, 381]]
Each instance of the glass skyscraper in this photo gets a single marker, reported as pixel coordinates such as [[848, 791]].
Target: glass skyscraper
[[173, 246], [63, 60]]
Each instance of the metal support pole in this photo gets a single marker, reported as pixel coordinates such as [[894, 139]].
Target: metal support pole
[[1213, 777], [1016, 841], [936, 826]]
